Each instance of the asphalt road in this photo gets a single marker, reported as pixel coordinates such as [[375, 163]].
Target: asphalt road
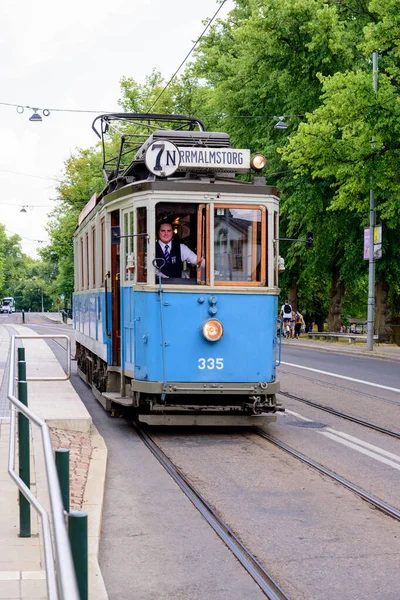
[[155, 545], [374, 370]]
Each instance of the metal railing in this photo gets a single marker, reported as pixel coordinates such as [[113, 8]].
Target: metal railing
[[60, 572], [45, 337]]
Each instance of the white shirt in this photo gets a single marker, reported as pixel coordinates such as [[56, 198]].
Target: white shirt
[[186, 253], [286, 315]]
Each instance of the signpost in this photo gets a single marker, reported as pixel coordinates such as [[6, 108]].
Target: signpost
[[377, 242]]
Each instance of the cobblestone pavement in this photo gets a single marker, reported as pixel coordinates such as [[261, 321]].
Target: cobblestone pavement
[[80, 447]]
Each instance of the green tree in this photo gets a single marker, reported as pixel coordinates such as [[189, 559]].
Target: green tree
[[269, 59], [351, 140]]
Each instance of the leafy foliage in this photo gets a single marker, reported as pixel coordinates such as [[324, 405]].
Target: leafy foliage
[[309, 60]]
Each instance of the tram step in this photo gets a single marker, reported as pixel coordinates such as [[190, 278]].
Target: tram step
[[118, 399]]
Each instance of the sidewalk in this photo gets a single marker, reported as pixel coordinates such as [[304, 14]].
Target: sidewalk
[[22, 574], [382, 351], [57, 318]]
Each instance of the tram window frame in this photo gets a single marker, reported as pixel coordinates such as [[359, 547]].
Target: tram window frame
[[203, 243], [103, 250], [128, 229], [82, 275], [87, 258], [93, 255], [255, 281], [141, 219], [76, 264], [276, 248]]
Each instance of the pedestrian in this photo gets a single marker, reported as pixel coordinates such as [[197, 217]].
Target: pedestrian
[[292, 324], [299, 322], [286, 316]]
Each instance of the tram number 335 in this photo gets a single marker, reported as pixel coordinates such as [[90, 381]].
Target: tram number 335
[[211, 363]]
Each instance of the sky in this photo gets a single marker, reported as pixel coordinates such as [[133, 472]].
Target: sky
[[72, 55]]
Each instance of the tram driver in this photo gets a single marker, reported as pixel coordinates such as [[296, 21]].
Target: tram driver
[[173, 253]]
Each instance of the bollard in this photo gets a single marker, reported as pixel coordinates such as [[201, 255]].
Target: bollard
[[23, 448], [62, 466], [78, 537], [23, 316]]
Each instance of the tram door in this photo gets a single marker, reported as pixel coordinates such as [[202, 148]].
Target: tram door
[[115, 296]]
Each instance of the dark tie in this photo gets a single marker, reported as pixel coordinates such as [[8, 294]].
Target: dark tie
[[166, 253]]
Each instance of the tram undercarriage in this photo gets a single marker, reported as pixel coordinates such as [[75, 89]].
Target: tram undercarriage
[[179, 403]]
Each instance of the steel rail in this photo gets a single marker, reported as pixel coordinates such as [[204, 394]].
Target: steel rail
[[60, 571], [339, 387], [268, 585], [379, 504], [337, 413]]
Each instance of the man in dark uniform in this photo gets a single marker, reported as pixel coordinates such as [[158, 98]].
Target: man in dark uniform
[[173, 252]]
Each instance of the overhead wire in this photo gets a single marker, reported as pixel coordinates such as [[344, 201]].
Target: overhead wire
[[30, 175], [186, 57], [23, 237], [71, 110], [76, 110]]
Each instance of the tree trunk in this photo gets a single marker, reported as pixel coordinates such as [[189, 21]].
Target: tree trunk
[[319, 321], [336, 301], [293, 292], [382, 312], [292, 295]]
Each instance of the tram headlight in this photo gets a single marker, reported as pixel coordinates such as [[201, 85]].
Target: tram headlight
[[212, 330], [258, 162]]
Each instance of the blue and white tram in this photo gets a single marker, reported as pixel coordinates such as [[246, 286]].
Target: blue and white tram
[[199, 347]]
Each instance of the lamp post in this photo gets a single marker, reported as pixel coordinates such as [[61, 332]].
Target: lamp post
[[372, 222]]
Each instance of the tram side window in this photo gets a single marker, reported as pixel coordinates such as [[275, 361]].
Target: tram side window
[[103, 249], [141, 245], [76, 267], [82, 280], [239, 245], [93, 257], [129, 245]]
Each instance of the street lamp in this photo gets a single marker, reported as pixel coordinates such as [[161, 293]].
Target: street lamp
[[281, 123]]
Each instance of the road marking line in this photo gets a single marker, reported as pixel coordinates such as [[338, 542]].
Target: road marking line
[[355, 440], [377, 385], [354, 443], [295, 414], [360, 449]]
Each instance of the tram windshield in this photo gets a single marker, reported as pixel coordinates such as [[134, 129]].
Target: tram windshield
[[184, 244], [239, 246]]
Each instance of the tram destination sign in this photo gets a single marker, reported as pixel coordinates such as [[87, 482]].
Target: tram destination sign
[[164, 159]]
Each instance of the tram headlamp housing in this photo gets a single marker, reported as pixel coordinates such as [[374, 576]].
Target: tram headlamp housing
[[212, 330], [258, 162]]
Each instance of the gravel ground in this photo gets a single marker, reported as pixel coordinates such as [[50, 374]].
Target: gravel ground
[[80, 447]]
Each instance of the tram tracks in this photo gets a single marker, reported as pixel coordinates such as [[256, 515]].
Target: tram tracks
[[342, 415], [373, 500], [336, 386], [268, 585]]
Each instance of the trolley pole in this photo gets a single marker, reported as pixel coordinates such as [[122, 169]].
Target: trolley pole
[[372, 223]]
